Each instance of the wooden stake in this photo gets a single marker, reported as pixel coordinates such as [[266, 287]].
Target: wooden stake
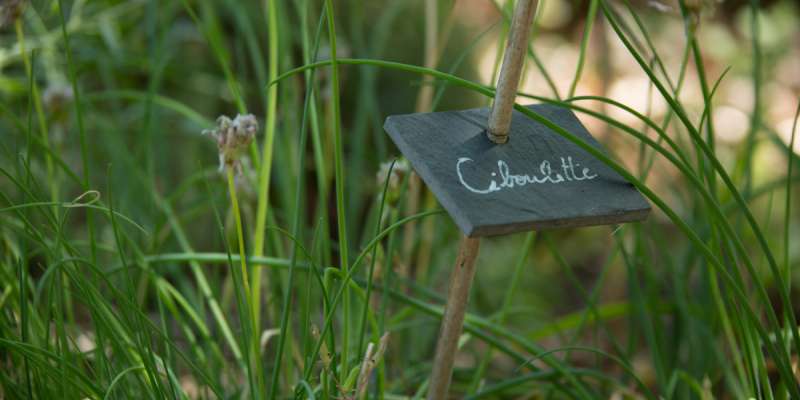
[[516, 49], [453, 321], [464, 270]]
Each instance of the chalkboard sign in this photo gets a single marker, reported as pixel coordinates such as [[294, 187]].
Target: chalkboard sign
[[538, 180]]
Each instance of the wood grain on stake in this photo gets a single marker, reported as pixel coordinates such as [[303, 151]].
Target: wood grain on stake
[[453, 319], [513, 60], [464, 271]]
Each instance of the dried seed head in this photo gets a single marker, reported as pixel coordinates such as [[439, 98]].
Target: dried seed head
[[371, 359], [695, 9], [233, 137], [10, 11], [324, 355], [398, 173], [267, 335], [56, 97]]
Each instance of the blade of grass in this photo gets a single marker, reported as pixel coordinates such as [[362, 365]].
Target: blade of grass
[[265, 171]]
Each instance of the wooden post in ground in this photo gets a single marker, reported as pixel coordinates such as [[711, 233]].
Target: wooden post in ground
[[510, 71], [453, 321], [464, 270]]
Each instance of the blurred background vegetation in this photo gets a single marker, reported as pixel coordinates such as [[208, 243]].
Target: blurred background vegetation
[[103, 104]]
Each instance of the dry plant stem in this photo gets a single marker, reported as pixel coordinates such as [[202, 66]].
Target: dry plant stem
[[424, 103], [453, 321], [409, 236], [425, 95], [427, 229], [500, 118]]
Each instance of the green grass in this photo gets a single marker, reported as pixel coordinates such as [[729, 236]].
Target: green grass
[[131, 268]]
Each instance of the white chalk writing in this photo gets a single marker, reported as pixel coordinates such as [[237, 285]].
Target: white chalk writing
[[502, 178]]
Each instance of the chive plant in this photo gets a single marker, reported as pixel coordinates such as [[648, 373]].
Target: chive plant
[[116, 278]]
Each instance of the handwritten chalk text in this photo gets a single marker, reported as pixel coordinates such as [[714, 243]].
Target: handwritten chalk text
[[569, 172]]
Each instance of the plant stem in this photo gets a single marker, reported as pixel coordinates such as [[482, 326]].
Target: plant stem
[[339, 177], [73, 77], [255, 353], [298, 212], [239, 235], [587, 31], [425, 94], [788, 205], [266, 159], [37, 104], [424, 104]]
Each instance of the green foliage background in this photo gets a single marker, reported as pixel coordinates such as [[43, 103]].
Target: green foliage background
[[120, 267]]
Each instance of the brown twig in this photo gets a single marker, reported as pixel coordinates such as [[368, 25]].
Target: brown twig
[[453, 321], [500, 119]]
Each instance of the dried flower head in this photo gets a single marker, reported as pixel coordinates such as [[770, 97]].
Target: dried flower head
[[10, 11], [371, 359], [660, 7], [324, 355], [398, 173], [233, 137], [56, 97], [695, 9]]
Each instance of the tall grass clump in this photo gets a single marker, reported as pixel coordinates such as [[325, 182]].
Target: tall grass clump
[[309, 261]]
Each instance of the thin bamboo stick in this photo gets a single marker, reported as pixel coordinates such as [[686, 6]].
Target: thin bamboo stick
[[516, 49], [464, 271], [453, 321]]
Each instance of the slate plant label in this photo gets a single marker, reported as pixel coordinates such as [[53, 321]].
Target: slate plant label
[[538, 180]]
